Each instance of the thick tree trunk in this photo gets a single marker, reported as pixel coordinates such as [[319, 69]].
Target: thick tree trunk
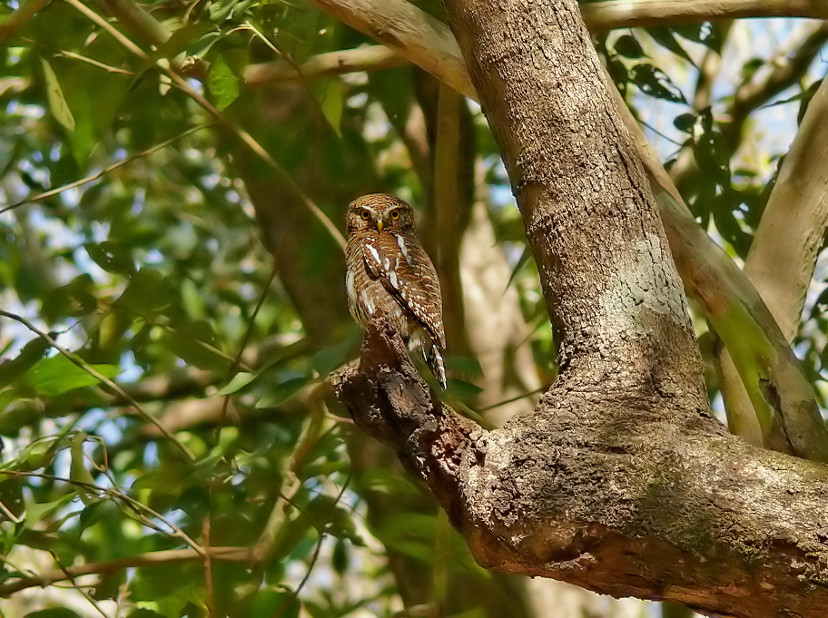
[[620, 481]]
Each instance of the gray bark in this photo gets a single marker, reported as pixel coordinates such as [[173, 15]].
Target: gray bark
[[620, 481]]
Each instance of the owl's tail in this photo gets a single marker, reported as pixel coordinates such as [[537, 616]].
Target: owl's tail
[[435, 362]]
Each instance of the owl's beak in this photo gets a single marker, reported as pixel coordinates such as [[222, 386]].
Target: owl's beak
[[379, 225]]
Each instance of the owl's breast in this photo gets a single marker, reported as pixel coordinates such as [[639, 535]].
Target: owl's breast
[[368, 298]]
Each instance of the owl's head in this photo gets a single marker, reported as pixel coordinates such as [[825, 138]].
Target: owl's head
[[380, 212]]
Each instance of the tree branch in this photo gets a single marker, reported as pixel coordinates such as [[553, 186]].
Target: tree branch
[[786, 72], [138, 20], [769, 366], [620, 14], [366, 58], [787, 69], [793, 227], [621, 508], [18, 18], [233, 554], [620, 481], [790, 235]]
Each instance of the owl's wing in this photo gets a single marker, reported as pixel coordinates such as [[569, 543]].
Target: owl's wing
[[406, 271]]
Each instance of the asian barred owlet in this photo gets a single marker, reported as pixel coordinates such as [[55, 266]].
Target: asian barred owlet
[[389, 274]]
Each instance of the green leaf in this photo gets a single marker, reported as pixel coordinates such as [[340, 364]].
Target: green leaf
[[53, 612], [654, 82], [340, 557], [390, 483], [270, 602], [470, 365], [196, 343], [707, 33], [666, 38], [143, 612], [57, 374], [182, 37], [112, 257], [37, 454], [629, 47], [36, 512], [329, 358], [76, 298], [11, 495], [331, 104], [619, 73], [222, 83], [77, 468], [327, 516], [282, 392], [712, 153], [409, 533], [54, 95], [462, 389], [239, 381], [149, 292], [12, 370], [524, 258], [393, 89], [685, 122]]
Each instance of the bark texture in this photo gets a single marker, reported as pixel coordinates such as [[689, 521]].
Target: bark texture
[[620, 481]]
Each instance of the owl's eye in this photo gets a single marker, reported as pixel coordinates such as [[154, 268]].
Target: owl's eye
[[365, 215], [395, 214]]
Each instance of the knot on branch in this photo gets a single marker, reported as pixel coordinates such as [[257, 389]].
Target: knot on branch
[[388, 399]]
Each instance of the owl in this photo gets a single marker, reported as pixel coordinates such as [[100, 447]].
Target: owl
[[389, 274]]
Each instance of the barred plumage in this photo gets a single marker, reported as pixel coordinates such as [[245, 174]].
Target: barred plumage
[[390, 274]]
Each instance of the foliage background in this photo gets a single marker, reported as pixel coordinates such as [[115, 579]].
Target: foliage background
[[168, 266]]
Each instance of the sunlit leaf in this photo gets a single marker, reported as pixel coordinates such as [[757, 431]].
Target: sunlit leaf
[[13, 369], [36, 512], [54, 94], [182, 38], [77, 469], [239, 381], [270, 602], [222, 83], [57, 374], [331, 104]]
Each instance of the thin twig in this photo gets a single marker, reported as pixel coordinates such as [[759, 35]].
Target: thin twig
[[79, 362], [82, 181], [240, 133], [118, 495], [314, 558], [237, 361], [80, 589], [76, 360], [513, 399], [95, 63], [231, 554], [208, 568], [209, 348]]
